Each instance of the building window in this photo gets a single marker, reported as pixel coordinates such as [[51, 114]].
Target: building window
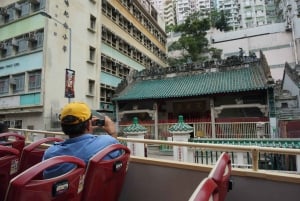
[[9, 14], [18, 124], [91, 88], [25, 8], [34, 80], [4, 85], [284, 105], [92, 53], [23, 45], [18, 82], [3, 49], [7, 123], [37, 4], [36, 39], [6, 49], [92, 22]]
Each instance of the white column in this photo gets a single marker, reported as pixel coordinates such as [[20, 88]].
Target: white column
[[155, 109], [137, 149], [212, 116], [298, 163], [180, 153]]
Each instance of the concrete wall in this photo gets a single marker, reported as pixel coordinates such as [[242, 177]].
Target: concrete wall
[[159, 180], [290, 85], [273, 40], [276, 43]]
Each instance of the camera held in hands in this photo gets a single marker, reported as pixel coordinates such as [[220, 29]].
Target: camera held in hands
[[100, 121]]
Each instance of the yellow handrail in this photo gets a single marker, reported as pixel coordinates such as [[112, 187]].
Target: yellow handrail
[[254, 150]]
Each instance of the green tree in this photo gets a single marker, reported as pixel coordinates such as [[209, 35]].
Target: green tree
[[169, 28], [219, 20], [175, 46], [193, 32]]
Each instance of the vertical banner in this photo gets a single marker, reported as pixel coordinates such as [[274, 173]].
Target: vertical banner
[[69, 83]]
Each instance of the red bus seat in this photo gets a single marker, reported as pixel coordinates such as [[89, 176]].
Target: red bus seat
[[207, 190], [221, 175], [66, 187], [17, 143], [104, 178], [8, 167], [33, 153]]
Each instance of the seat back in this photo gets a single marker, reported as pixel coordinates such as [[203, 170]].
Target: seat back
[[207, 190], [33, 153], [8, 167], [18, 141], [104, 178], [221, 174], [66, 187]]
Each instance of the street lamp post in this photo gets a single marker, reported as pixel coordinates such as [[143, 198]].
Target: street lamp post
[[65, 25]]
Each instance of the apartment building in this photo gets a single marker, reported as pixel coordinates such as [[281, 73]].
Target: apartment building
[[240, 14], [158, 5], [280, 42], [54, 52], [243, 14], [169, 12]]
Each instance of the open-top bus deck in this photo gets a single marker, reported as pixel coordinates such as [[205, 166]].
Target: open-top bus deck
[[157, 178]]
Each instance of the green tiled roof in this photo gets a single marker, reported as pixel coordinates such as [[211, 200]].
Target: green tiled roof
[[237, 80]]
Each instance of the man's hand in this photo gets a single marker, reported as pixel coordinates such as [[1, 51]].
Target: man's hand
[[109, 126]]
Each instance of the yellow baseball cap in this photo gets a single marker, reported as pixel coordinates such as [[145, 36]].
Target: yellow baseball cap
[[74, 113]]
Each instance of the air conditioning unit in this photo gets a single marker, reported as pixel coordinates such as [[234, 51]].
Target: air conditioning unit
[[3, 46], [17, 7], [14, 43], [3, 12]]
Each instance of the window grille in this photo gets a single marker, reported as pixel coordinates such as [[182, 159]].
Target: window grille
[[25, 9], [23, 45], [4, 85], [34, 80]]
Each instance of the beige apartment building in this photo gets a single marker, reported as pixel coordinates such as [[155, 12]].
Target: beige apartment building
[[54, 52]]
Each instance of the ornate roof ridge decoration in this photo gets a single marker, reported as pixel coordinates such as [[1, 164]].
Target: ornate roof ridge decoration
[[149, 84], [233, 62], [181, 127], [230, 63]]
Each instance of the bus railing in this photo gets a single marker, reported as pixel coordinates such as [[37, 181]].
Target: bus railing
[[242, 156]]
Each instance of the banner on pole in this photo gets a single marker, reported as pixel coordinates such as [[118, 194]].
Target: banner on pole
[[69, 83]]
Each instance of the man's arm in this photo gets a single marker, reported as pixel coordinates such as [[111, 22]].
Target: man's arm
[[110, 127]]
